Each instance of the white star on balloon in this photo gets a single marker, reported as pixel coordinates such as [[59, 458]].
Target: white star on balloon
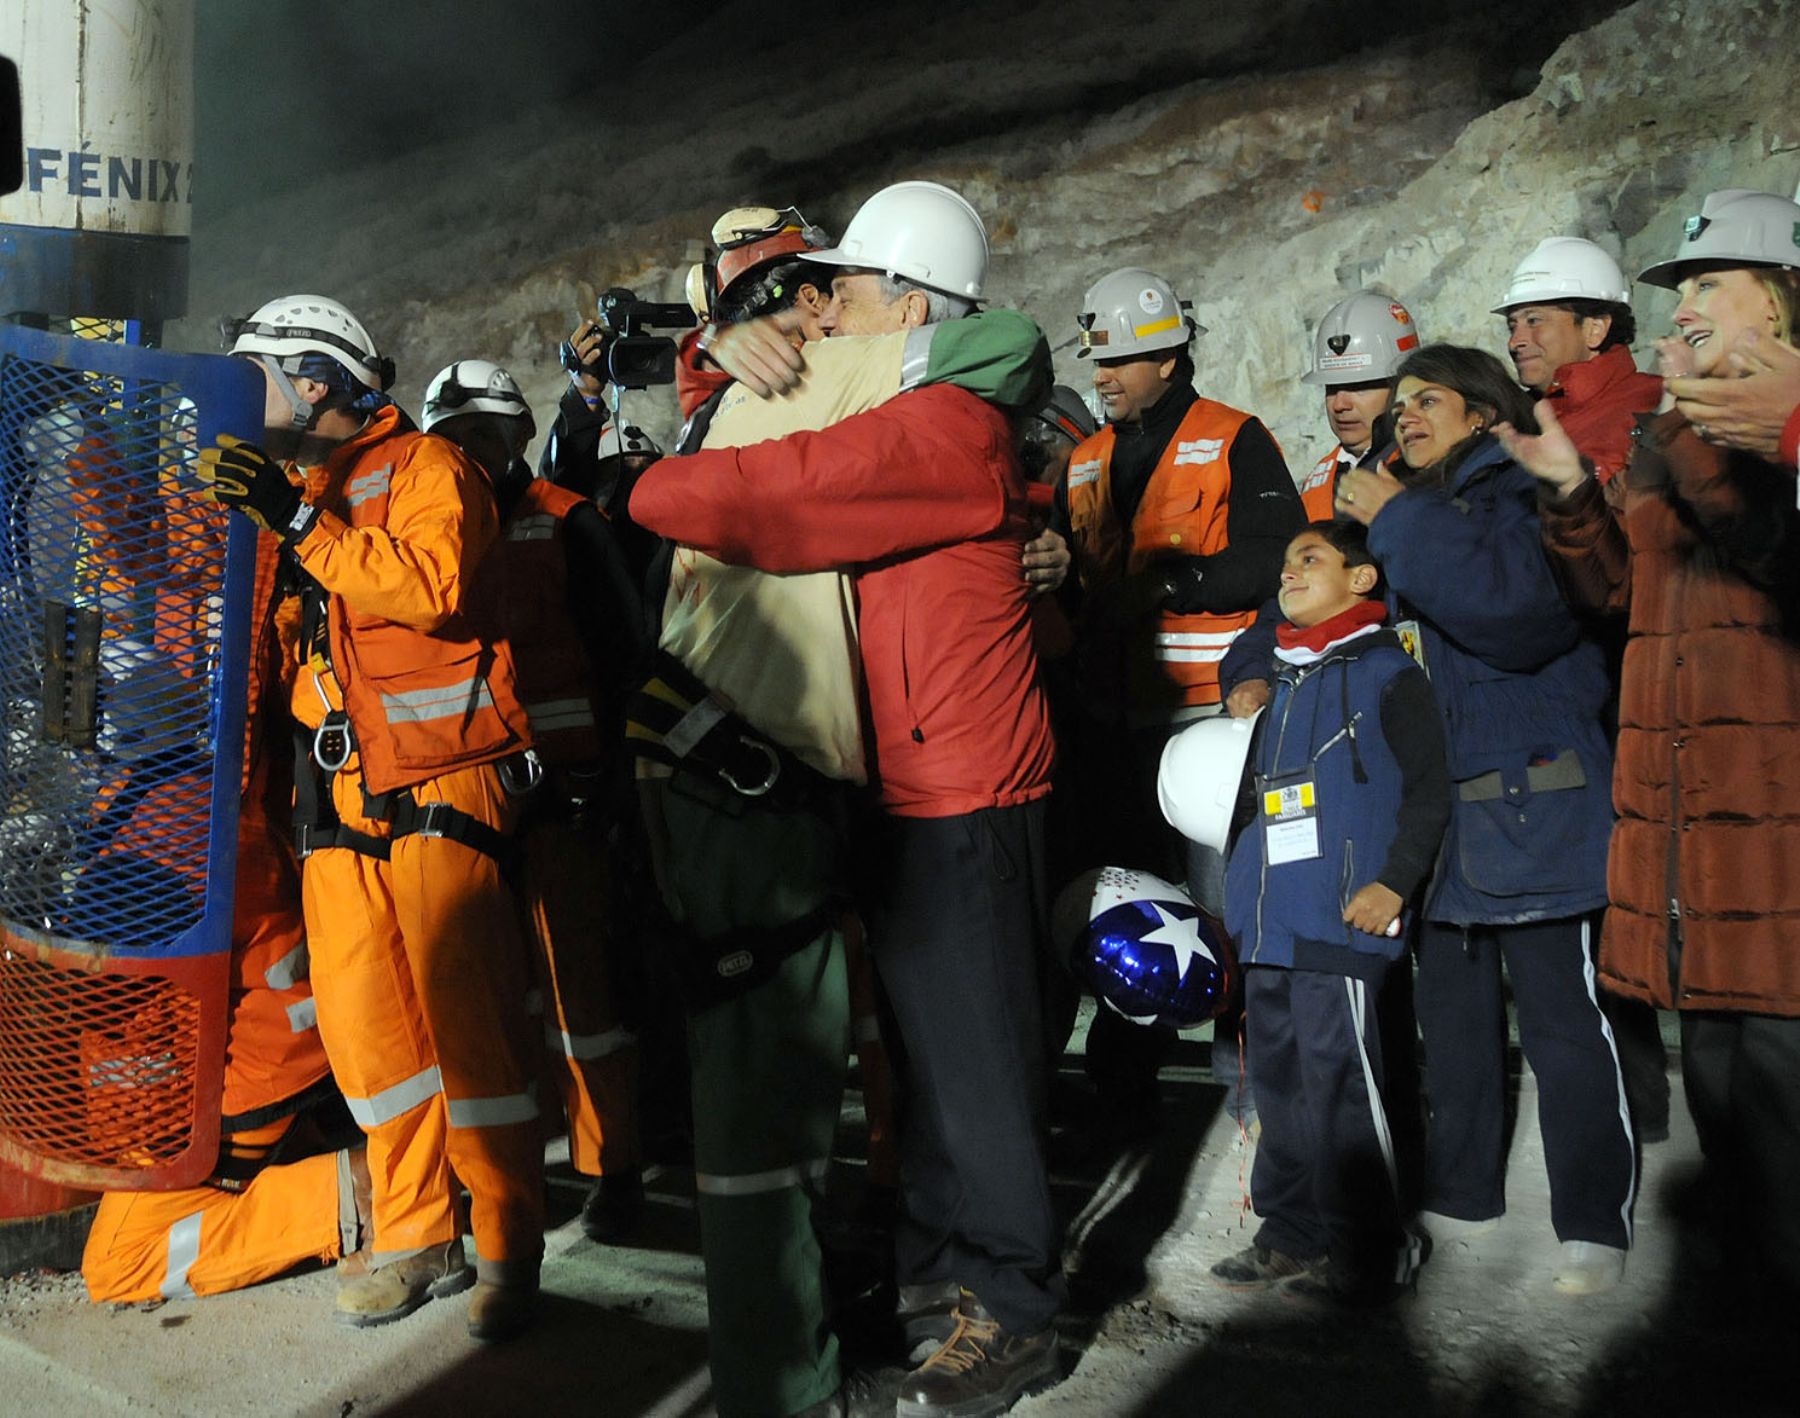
[[1180, 934]]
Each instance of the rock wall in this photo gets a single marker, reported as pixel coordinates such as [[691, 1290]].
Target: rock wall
[[1269, 160]]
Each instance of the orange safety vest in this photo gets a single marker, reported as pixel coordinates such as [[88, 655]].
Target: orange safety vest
[[1320, 487], [1172, 660], [529, 593], [420, 702]]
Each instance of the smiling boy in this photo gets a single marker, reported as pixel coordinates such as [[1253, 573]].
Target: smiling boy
[[1352, 798]]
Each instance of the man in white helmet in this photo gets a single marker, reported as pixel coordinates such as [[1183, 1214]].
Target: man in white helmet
[[922, 499], [1569, 329], [1356, 349], [1179, 510], [408, 710], [557, 588]]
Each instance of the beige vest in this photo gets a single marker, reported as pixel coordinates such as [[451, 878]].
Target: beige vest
[[782, 649]]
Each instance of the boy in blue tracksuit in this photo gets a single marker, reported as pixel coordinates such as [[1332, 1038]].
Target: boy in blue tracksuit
[[1352, 800]]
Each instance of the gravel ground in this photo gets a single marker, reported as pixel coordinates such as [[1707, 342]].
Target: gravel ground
[[622, 1329]]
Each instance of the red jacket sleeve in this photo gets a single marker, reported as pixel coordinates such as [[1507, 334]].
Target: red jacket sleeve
[[696, 380], [925, 469]]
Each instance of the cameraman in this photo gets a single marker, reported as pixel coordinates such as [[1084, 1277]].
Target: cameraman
[[587, 455]]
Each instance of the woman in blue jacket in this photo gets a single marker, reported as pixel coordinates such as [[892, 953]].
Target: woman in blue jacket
[[1522, 872]]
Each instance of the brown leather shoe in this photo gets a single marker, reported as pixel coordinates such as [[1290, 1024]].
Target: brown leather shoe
[[499, 1312], [927, 1316], [1258, 1265], [393, 1291], [981, 1370]]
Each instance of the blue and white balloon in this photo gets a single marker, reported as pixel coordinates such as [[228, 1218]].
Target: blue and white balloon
[[1144, 948]]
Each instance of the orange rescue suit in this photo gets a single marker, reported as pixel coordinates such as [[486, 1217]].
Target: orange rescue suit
[[206, 1239], [1173, 660], [555, 681], [418, 964], [591, 1055], [423, 691]]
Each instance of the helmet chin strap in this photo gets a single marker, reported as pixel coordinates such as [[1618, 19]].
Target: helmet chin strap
[[301, 413]]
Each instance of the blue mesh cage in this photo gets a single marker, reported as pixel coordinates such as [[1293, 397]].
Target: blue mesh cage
[[124, 603]]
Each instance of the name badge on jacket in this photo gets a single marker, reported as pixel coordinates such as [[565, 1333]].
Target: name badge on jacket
[[1290, 818]]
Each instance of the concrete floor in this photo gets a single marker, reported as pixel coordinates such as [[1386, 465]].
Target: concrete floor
[[622, 1330]]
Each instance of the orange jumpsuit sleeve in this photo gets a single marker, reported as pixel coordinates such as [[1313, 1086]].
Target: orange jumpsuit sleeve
[[414, 569]]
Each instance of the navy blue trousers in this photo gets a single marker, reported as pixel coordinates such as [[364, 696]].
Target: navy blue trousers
[[1582, 1112], [1324, 1181]]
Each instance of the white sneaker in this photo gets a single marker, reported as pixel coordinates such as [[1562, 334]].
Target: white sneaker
[[1444, 1230], [1587, 1268]]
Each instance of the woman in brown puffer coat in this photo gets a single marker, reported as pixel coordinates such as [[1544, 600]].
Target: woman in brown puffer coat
[[1704, 873]]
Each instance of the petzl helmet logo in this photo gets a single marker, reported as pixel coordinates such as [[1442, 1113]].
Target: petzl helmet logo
[[1337, 344], [1696, 225]]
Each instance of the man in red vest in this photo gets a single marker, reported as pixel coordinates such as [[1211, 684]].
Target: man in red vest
[[1179, 511]]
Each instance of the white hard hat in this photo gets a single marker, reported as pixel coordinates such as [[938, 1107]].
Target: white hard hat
[[618, 442], [1202, 771], [296, 325], [1362, 338], [918, 231], [473, 386], [1736, 225], [1133, 311], [1565, 268]]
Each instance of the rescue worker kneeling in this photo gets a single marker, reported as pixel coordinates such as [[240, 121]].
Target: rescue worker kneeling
[[408, 715], [278, 1196]]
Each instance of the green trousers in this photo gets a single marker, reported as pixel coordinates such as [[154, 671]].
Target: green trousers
[[768, 1081]]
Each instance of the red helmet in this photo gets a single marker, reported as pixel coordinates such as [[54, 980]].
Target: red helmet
[[748, 239]]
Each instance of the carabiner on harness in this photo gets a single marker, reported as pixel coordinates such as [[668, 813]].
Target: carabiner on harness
[[521, 773], [754, 790], [332, 743]]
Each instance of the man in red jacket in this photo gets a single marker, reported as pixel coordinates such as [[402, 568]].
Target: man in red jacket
[[1569, 330], [924, 498]]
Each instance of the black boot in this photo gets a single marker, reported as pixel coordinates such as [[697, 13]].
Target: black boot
[[614, 1207]]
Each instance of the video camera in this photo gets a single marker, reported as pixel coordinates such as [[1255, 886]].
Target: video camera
[[627, 356]]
